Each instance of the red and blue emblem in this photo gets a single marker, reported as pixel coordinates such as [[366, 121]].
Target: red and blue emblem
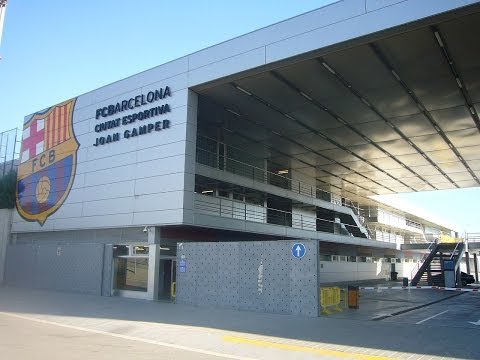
[[48, 162]]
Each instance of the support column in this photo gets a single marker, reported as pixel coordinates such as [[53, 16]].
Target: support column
[[5, 225], [475, 264], [467, 260], [153, 234]]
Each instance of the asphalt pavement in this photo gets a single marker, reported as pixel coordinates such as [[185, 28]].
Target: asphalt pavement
[[71, 326]]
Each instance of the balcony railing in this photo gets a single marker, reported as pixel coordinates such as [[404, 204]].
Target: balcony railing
[[237, 167], [230, 208]]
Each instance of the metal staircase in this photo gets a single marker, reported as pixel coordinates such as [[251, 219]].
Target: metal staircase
[[432, 263]]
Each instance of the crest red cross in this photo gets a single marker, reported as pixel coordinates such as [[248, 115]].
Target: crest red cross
[[35, 137]]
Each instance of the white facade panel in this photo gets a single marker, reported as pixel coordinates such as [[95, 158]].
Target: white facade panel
[[107, 162], [306, 22], [123, 205], [227, 66], [71, 210], [154, 184], [95, 222], [161, 166], [108, 176], [372, 5], [173, 216], [109, 191], [165, 150], [159, 202]]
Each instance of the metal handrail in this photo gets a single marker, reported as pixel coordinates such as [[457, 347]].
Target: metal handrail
[[260, 174], [454, 251], [257, 213], [419, 264]]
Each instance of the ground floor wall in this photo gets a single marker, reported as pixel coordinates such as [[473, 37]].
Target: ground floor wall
[[333, 272], [84, 268], [259, 276]]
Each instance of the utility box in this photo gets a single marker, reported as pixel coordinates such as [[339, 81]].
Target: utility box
[[449, 273], [353, 297]]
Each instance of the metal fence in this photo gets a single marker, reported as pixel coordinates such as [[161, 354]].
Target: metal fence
[[472, 237], [10, 142]]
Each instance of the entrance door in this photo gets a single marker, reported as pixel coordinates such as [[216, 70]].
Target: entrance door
[[167, 278]]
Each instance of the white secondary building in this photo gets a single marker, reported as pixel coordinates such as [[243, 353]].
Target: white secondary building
[[273, 138]]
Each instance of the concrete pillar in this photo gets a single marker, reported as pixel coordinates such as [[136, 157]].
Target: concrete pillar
[[153, 236], [153, 270], [5, 226], [475, 264], [459, 277], [467, 260]]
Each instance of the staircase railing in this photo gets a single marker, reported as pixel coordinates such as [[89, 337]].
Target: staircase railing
[[419, 265]]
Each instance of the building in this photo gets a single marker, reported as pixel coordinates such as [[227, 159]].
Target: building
[[205, 171]]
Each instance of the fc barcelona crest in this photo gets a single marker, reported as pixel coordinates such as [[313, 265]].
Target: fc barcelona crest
[[48, 161]]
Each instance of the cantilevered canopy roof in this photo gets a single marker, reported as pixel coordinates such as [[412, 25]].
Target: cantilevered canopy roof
[[391, 115]]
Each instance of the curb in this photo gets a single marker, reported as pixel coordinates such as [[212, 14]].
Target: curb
[[417, 287]]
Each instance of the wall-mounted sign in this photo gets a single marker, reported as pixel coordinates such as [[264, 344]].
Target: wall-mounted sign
[[137, 117], [298, 250], [182, 265]]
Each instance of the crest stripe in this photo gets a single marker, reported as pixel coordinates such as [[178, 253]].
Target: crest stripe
[[55, 127], [62, 124], [67, 130]]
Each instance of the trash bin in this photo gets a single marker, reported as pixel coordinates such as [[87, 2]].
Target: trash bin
[[393, 275], [353, 295], [405, 281]]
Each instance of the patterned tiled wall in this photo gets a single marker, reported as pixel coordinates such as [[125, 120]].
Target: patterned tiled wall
[[259, 276]]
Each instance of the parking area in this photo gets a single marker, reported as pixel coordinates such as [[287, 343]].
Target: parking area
[[415, 306], [461, 311]]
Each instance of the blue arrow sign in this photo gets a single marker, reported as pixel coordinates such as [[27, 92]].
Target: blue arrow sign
[[298, 250]]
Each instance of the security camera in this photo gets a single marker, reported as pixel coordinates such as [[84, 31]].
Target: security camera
[[145, 229]]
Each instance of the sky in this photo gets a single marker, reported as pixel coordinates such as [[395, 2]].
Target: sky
[[54, 50]]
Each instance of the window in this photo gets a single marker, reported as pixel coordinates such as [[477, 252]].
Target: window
[[325, 257], [239, 197], [130, 267], [223, 193], [131, 274]]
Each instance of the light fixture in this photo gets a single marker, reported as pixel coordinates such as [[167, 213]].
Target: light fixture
[[164, 248], [243, 90], [282, 171], [394, 73], [459, 82], [326, 66], [305, 96], [207, 191], [439, 38], [233, 112]]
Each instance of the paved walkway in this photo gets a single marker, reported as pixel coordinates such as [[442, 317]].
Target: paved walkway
[[237, 334]]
